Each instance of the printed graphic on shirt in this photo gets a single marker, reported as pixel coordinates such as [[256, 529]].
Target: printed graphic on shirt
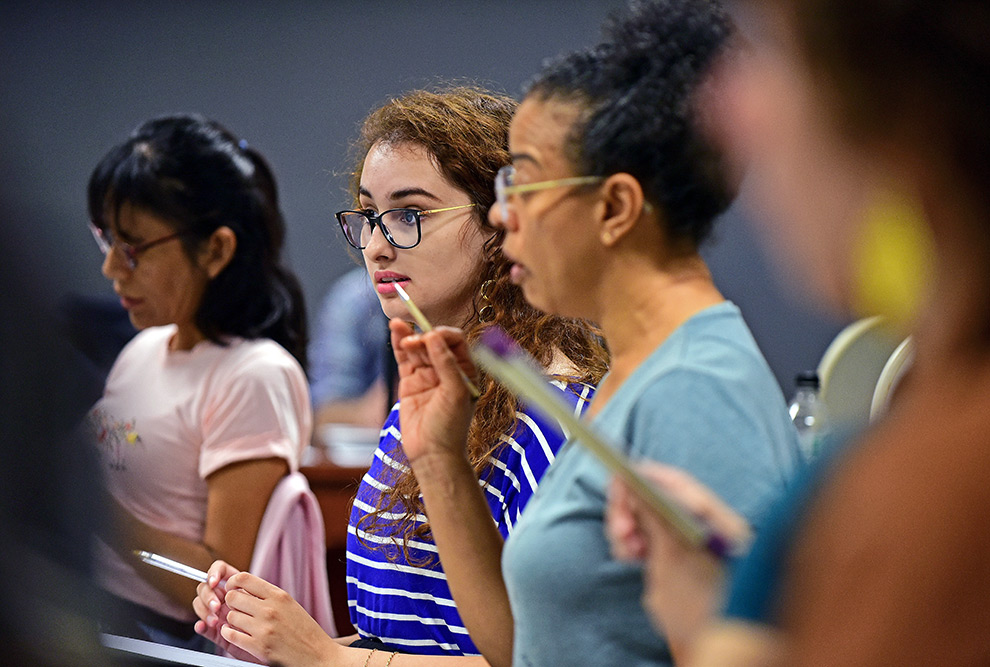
[[113, 437]]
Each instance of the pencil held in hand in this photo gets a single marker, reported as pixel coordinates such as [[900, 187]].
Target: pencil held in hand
[[171, 565], [500, 356], [424, 326]]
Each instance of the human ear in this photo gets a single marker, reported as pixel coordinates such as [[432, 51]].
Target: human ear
[[623, 204], [219, 251]]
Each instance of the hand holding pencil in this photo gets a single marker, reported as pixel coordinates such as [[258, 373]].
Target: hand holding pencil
[[210, 605], [255, 620], [435, 403], [682, 584], [426, 327]]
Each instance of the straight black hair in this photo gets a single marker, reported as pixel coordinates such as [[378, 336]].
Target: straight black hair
[[195, 175]]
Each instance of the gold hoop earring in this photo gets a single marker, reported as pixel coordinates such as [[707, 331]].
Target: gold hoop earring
[[486, 312]]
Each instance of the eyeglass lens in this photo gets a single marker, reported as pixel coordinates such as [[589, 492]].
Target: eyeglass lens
[[106, 242], [505, 177]]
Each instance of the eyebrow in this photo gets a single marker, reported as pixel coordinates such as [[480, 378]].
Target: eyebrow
[[402, 194], [123, 234], [523, 157]]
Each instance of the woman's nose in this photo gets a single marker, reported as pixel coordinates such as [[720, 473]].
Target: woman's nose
[[378, 246], [114, 264]]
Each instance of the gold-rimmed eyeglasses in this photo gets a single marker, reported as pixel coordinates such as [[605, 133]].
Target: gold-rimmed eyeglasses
[[505, 184]]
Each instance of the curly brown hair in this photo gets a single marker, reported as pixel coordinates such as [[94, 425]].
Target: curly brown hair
[[465, 129]]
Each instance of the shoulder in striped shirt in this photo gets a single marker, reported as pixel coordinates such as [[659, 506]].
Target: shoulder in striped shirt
[[409, 606]]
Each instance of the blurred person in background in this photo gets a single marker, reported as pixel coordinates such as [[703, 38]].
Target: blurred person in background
[[207, 408], [350, 361]]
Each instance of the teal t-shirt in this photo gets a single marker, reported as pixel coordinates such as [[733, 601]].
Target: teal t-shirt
[[704, 401]]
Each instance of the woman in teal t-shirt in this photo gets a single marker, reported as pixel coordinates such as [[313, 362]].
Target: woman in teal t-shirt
[[611, 192]]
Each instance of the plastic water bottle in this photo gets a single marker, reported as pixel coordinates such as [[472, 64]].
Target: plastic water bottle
[[809, 414]]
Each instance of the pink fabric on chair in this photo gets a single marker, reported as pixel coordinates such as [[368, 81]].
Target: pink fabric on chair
[[290, 551]]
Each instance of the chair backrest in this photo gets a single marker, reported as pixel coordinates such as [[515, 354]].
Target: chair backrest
[[290, 550], [893, 371], [850, 368]]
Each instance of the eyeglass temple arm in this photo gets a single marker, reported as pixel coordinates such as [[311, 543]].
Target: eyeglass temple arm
[[449, 208], [546, 185]]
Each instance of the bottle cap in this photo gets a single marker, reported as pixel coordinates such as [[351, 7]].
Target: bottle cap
[[807, 379]]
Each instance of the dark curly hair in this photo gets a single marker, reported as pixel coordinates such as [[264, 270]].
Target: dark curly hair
[[465, 130], [195, 175], [636, 95]]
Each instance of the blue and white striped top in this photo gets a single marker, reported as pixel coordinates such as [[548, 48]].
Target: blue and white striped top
[[409, 607]]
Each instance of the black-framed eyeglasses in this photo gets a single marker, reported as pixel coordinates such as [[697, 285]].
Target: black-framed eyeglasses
[[106, 242], [402, 227]]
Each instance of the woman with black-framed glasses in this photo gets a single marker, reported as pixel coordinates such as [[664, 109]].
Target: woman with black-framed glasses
[[422, 190]]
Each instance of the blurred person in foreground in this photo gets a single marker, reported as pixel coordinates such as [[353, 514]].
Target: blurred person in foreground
[[50, 507], [863, 126]]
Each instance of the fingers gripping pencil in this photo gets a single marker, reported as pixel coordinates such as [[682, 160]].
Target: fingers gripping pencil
[[424, 325]]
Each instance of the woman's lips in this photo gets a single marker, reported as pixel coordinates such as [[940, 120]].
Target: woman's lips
[[388, 287], [385, 282], [128, 303], [516, 273]]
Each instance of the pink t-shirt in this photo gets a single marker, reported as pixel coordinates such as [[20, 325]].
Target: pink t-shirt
[[168, 419]]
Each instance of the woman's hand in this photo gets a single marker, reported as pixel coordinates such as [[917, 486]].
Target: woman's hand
[[260, 619], [435, 406], [211, 610], [683, 584]]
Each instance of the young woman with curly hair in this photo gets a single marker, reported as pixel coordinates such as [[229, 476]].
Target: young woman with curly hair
[[423, 190]]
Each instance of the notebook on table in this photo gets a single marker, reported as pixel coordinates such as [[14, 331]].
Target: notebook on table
[[137, 651]]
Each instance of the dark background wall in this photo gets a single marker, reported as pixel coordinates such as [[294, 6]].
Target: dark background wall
[[293, 78]]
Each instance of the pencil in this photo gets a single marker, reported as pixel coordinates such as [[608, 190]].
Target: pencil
[[424, 326], [173, 566]]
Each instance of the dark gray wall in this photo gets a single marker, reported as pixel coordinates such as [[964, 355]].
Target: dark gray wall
[[294, 78]]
